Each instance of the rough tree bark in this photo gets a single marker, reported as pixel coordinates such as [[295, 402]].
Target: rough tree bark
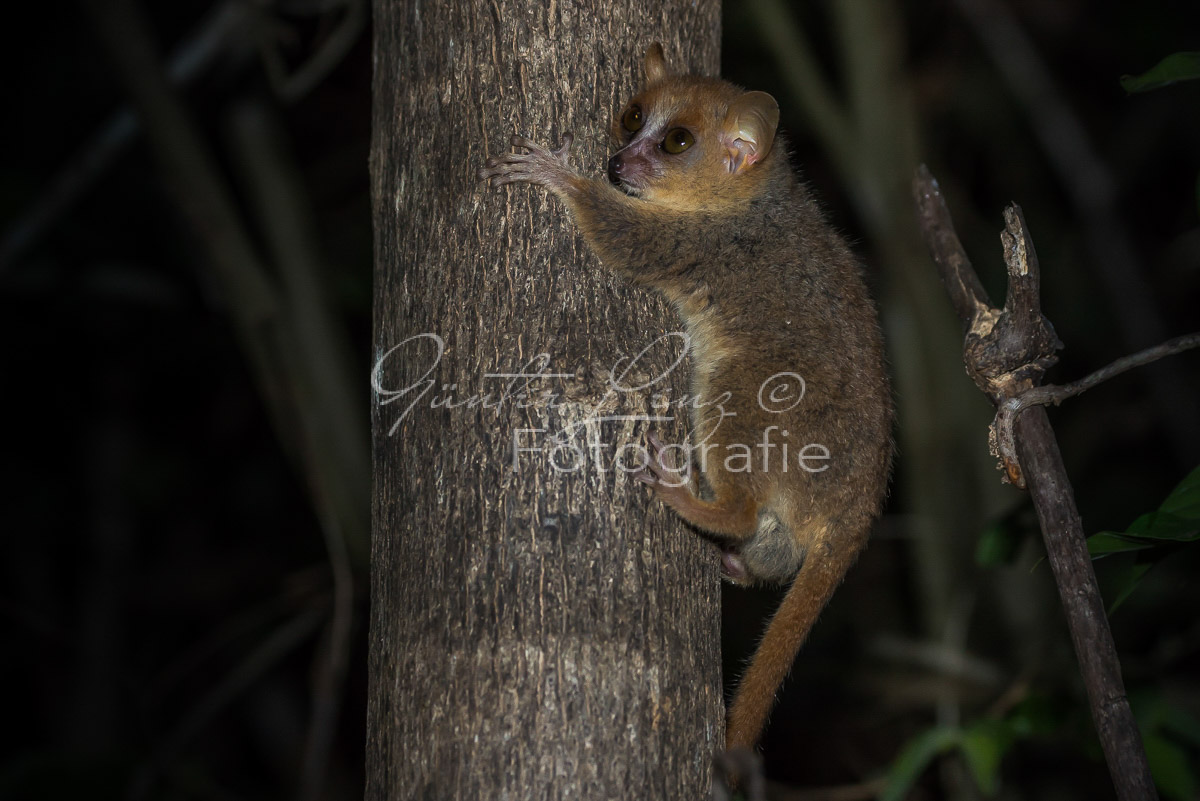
[[534, 633]]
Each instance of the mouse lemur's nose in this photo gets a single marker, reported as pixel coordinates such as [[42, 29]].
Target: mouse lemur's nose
[[614, 168]]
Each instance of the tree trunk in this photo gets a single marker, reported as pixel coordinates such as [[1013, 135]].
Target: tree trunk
[[540, 628]]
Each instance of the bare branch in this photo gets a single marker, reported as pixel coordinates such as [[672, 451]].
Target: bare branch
[[1092, 188], [1003, 348], [967, 295], [1007, 352], [1066, 551]]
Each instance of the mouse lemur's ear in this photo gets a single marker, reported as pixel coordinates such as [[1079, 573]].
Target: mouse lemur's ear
[[656, 64], [749, 129]]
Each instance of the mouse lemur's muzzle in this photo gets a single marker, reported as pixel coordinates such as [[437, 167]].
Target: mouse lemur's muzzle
[[614, 168]]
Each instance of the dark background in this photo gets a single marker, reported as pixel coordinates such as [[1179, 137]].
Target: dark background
[[165, 590]]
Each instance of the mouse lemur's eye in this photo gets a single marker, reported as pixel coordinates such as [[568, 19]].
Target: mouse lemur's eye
[[633, 120], [678, 140]]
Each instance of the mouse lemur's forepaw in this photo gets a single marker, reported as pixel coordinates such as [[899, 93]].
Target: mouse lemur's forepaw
[[564, 149], [662, 471], [538, 165]]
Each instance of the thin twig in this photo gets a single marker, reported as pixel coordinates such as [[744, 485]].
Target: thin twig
[[1057, 393], [1010, 409]]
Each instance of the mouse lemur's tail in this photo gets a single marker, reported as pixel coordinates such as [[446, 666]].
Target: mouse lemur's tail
[[824, 567]]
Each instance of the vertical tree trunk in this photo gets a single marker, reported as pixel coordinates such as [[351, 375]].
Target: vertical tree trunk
[[535, 633]]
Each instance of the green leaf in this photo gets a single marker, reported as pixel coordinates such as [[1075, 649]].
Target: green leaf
[[1129, 582], [1175, 67], [1176, 520], [1170, 766], [1002, 539], [1184, 500], [1110, 542], [915, 758], [1035, 716], [998, 545], [1163, 525], [983, 746], [1177, 721]]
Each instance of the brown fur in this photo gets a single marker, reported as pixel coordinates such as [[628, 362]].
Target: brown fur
[[726, 232]]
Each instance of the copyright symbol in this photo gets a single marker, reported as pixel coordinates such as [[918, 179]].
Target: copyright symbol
[[781, 392]]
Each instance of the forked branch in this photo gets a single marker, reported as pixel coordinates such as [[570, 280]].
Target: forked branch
[[1007, 352]]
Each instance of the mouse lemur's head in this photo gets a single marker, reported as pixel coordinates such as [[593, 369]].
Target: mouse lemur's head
[[690, 142]]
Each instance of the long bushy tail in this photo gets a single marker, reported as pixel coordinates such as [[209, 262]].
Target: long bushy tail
[[824, 567]]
